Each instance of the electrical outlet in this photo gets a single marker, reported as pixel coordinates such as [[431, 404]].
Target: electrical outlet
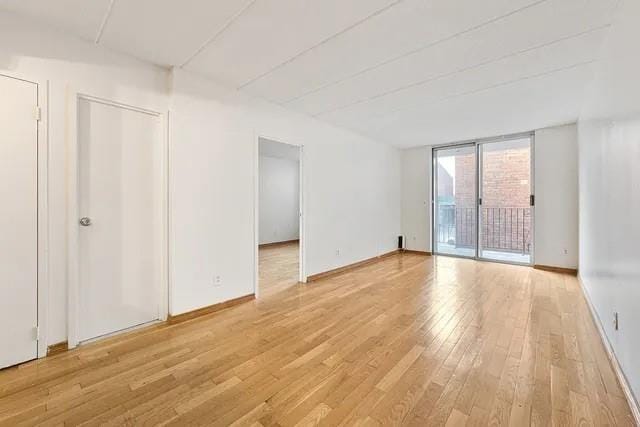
[[566, 252], [615, 320], [217, 281], [337, 252]]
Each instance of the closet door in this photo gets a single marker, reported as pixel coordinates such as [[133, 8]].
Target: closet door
[[120, 224], [18, 221]]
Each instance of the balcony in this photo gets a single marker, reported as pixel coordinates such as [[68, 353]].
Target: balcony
[[505, 232]]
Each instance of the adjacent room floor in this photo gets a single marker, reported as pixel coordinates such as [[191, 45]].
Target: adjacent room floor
[[278, 267], [409, 339]]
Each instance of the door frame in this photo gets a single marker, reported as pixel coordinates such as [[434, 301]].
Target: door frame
[[43, 280], [302, 277], [73, 256], [477, 143]]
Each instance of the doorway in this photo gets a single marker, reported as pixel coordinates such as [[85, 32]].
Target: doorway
[[483, 199], [120, 222], [279, 216]]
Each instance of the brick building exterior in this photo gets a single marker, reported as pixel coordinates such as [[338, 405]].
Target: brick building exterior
[[445, 182], [506, 215], [465, 200]]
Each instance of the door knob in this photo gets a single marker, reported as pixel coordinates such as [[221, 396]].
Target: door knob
[[85, 221]]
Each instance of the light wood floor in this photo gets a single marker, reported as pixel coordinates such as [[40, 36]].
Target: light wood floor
[[408, 340], [278, 268]]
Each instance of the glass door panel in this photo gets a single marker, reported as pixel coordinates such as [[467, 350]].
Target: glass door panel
[[454, 210], [505, 216]]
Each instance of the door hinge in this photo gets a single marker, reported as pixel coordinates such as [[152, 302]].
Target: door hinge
[[479, 200], [532, 200], [36, 333], [37, 113]]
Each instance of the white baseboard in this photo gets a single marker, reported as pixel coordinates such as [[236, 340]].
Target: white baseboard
[[622, 379]]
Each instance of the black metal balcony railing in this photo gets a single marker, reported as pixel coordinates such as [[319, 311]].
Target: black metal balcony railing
[[501, 229]]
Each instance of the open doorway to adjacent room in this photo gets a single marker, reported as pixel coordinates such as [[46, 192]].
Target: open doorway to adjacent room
[[279, 228]]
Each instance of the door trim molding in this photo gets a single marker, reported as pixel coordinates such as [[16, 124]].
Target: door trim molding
[[43, 279], [73, 302]]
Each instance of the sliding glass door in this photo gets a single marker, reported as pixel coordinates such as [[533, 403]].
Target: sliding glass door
[[483, 203], [506, 223], [455, 203]]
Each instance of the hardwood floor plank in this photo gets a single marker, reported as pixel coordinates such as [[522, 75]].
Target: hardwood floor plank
[[396, 372], [407, 340]]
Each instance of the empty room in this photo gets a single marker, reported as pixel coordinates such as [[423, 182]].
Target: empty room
[[319, 212]]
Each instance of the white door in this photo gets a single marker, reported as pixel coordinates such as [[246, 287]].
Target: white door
[[18, 221], [120, 183]]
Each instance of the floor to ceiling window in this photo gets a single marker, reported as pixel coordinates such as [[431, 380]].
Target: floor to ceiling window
[[455, 203], [483, 199]]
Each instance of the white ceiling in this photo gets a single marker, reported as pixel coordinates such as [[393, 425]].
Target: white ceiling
[[405, 72]]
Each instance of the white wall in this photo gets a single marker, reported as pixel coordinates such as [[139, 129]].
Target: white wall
[[556, 190], [351, 190], [609, 159], [30, 52], [279, 202], [352, 183], [416, 198]]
